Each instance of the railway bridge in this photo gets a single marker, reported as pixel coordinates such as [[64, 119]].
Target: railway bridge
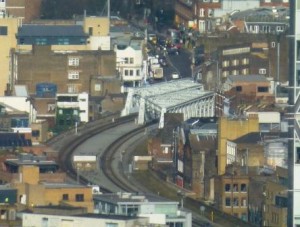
[[185, 96]]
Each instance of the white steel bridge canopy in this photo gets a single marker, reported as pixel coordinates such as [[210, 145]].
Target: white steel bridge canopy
[[176, 96]]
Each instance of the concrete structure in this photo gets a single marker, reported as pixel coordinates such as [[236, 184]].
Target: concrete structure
[[231, 194], [95, 220], [238, 127], [48, 169], [159, 211], [294, 101], [129, 62], [31, 191], [176, 96], [71, 109], [9, 29], [98, 30]]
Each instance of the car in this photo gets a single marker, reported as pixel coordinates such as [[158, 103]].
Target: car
[[172, 49]]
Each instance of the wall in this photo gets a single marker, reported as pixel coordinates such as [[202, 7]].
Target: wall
[[6, 43], [230, 129], [43, 65]]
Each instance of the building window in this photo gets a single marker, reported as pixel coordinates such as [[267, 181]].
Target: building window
[[243, 188], [97, 87], [111, 225], [131, 60], [227, 187], [235, 72], [235, 202], [126, 73], [40, 41], [225, 73], [137, 72], [72, 88], [73, 75], [130, 72], [166, 150], [65, 197], [298, 50], [262, 89], [245, 71], [280, 28], [245, 61], [73, 62], [235, 188], [3, 30], [90, 31], [201, 12], [298, 155], [126, 60], [243, 202], [238, 88], [262, 71], [79, 197], [35, 133], [235, 62], [275, 217], [63, 41], [225, 63], [227, 201]]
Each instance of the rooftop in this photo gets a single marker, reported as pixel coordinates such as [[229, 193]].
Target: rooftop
[[132, 198], [51, 30], [247, 78]]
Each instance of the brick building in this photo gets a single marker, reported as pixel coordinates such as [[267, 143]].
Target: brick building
[[71, 71]]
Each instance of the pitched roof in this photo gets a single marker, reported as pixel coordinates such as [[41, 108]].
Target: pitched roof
[[51, 30]]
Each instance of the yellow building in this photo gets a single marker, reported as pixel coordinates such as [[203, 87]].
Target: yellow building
[[276, 200], [32, 192], [96, 27], [230, 129], [8, 30]]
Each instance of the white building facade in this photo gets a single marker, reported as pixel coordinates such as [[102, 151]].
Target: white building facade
[[130, 63]]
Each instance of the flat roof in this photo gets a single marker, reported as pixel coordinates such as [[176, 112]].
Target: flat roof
[[63, 185], [17, 162], [50, 30], [132, 198]]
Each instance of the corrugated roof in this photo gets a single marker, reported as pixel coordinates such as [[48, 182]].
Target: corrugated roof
[[51, 30]]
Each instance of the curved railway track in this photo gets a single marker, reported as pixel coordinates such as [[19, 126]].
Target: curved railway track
[[67, 149], [70, 143], [108, 156]]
